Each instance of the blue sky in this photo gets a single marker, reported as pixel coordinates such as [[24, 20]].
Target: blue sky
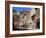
[[22, 9]]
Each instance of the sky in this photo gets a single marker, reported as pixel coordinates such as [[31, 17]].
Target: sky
[[18, 9]]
